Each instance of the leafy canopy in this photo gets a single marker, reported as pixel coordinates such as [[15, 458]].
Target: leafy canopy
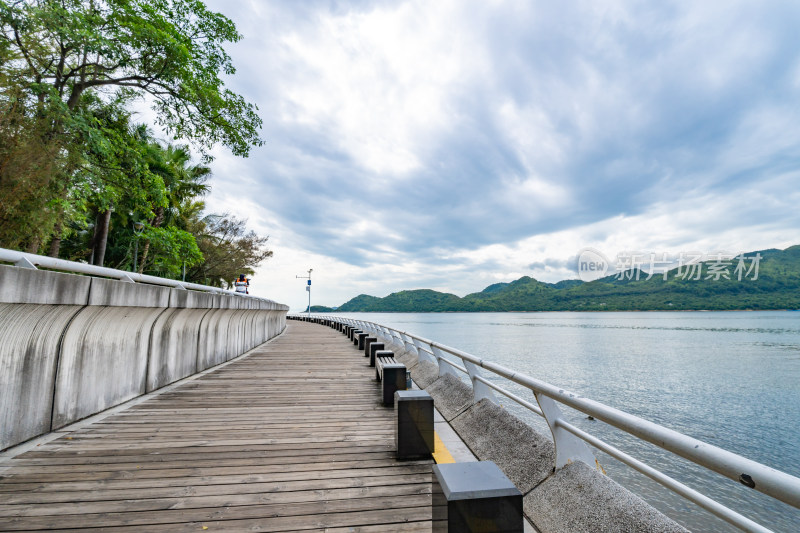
[[168, 50]]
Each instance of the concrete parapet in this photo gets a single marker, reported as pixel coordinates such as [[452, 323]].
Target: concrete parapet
[[399, 352], [452, 396], [423, 373], [192, 299], [103, 361], [28, 286], [173, 346], [409, 359], [116, 293], [493, 434], [29, 341], [213, 338], [72, 346], [577, 499]]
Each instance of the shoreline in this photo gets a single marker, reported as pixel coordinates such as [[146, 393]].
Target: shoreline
[[563, 311]]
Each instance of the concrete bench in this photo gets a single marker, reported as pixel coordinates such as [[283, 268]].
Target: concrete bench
[[367, 343], [475, 497], [359, 340], [414, 432], [374, 348], [391, 374]]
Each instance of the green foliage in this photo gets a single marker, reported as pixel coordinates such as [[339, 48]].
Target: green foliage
[[228, 248], [29, 159], [420, 301], [170, 50], [172, 248], [777, 287], [77, 174]]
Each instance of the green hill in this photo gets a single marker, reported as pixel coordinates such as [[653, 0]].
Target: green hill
[[417, 301], [777, 287]]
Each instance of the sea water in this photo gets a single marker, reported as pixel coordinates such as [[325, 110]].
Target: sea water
[[731, 379]]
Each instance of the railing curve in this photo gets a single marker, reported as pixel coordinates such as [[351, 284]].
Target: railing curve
[[32, 261], [571, 442]]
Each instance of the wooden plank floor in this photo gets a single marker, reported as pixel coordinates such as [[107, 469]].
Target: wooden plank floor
[[289, 438]]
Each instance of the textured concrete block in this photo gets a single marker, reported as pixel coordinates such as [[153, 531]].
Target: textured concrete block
[[452, 396], [397, 349], [116, 293], [493, 434], [103, 361], [224, 301], [191, 299], [29, 339], [414, 430], [425, 373], [173, 346], [478, 498], [28, 286], [410, 359], [579, 499], [213, 340]]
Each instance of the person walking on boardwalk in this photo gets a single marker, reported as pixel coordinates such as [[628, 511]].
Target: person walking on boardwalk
[[242, 284]]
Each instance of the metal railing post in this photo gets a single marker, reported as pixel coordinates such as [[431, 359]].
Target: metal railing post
[[444, 368], [569, 448], [423, 349], [388, 337], [409, 344], [479, 389]]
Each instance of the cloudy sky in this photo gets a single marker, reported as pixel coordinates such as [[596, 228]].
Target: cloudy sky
[[455, 144]]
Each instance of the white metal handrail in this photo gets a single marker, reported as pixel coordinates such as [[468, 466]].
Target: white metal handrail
[[774, 483], [32, 261]]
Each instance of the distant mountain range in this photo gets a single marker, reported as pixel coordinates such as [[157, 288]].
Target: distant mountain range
[[776, 287]]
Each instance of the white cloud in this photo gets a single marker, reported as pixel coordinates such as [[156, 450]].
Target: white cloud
[[452, 144]]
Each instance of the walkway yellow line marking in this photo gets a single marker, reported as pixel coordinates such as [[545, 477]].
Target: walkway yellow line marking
[[440, 453]]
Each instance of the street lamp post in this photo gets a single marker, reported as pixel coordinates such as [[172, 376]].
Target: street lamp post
[[308, 289]]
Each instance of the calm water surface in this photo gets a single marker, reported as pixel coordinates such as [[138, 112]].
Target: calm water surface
[[731, 379]]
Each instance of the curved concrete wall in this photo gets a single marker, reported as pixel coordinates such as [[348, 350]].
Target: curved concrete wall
[[72, 346]]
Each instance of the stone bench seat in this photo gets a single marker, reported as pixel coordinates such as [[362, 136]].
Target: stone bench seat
[[391, 375]]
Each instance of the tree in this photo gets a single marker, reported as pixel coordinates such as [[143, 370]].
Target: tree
[[228, 248], [115, 169], [67, 67], [28, 160], [170, 50], [76, 173], [182, 180]]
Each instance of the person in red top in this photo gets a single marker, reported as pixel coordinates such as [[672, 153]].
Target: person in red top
[[242, 284]]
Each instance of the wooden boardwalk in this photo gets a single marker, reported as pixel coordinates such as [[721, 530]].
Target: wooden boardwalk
[[289, 438]]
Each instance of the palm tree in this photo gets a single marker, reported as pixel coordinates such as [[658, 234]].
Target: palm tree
[[182, 181]]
